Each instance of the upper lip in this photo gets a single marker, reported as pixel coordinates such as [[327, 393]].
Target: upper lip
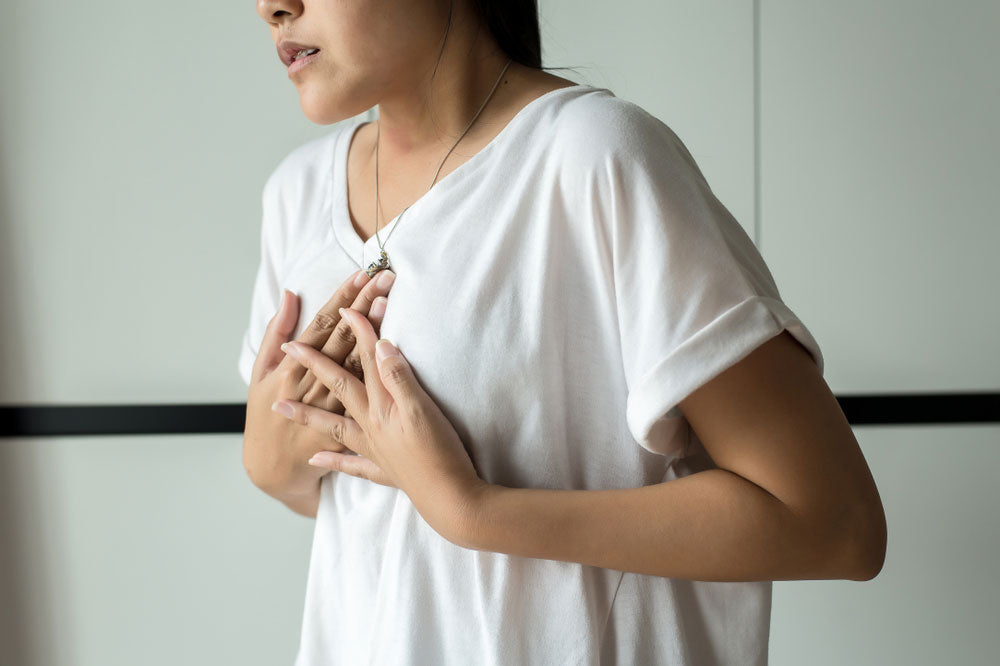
[[287, 50]]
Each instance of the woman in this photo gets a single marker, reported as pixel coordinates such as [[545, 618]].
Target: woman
[[598, 433]]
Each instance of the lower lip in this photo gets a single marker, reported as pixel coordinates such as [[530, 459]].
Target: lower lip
[[302, 62]]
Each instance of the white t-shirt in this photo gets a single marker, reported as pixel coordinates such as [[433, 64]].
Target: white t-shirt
[[557, 295]]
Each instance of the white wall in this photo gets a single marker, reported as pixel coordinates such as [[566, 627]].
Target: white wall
[[855, 141], [136, 137], [879, 169]]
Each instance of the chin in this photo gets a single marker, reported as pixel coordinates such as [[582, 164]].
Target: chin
[[323, 108], [320, 113]]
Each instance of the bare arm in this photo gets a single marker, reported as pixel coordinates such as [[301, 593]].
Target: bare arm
[[793, 497], [306, 504]]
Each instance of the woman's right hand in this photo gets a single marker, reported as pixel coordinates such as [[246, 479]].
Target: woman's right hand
[[275, 448]]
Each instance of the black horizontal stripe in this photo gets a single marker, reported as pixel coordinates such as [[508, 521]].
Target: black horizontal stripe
[[921, 408], [164, 419], [52, 420]]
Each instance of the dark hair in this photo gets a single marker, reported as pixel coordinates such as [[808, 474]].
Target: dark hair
[[514, 26]]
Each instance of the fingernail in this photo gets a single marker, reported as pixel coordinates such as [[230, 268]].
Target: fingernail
[[384, 348], [289, 349], [282, 408], [321, 459], [385, 279], [378, 306], [361, 278]]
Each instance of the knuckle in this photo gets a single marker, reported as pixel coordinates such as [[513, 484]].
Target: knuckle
[[336, 431], [343, 334], [383, 414], [394, 372], [338, 386], [323, 322], [353, 365]]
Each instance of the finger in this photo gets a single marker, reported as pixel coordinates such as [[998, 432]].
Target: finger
[[375, 316], [318, 331], [340, 343], [397, 377], [353, 364], [377, 313], [344, 386], [378, 397], [358, 466], [342, 338], [340, 429], [279, 329]]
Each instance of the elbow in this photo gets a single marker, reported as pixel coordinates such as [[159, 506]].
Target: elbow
[[249, 467], [254, 467], [875, 547], [864, 542]]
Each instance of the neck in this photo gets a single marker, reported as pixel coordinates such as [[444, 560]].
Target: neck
[[424, 118]]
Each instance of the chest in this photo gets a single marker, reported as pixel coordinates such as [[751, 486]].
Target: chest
[[503, 307], [401, 181]]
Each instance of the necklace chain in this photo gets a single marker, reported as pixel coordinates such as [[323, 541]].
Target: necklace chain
[[383, 263]]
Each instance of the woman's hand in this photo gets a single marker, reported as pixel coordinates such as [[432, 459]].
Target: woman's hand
[[275, 449], [400, 436]]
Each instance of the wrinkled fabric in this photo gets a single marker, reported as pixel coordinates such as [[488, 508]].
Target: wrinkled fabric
[[557, 295]]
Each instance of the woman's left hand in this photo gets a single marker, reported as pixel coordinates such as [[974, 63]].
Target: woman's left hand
[[400, 435]]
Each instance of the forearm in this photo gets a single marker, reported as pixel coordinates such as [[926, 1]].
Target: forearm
[[278, 471], [305, 504], [298, 478], [712, 526]]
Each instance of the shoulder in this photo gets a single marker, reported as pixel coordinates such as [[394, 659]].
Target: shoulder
[[294, 193], [305, 170], [595, 130]]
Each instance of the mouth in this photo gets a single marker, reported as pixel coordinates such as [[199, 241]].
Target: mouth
[[291, 52], [302, 60], [303, 54]]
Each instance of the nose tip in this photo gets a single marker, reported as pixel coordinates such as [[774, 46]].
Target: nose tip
[[274, 11]]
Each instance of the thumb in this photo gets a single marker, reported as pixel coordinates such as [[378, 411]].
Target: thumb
[[396, 372], [278, 331]]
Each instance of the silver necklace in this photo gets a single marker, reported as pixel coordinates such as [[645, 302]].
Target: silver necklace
[[383, 261]]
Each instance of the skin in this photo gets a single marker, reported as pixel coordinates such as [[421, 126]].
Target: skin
[[792, 498], [421, 117], [275, 450]]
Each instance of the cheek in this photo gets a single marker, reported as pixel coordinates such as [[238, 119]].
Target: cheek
[[385, 40]]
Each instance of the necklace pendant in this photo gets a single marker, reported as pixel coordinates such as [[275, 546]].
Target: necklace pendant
[[380, 264]]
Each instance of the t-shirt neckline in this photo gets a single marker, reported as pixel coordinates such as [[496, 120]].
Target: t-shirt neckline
[[343, 227]]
